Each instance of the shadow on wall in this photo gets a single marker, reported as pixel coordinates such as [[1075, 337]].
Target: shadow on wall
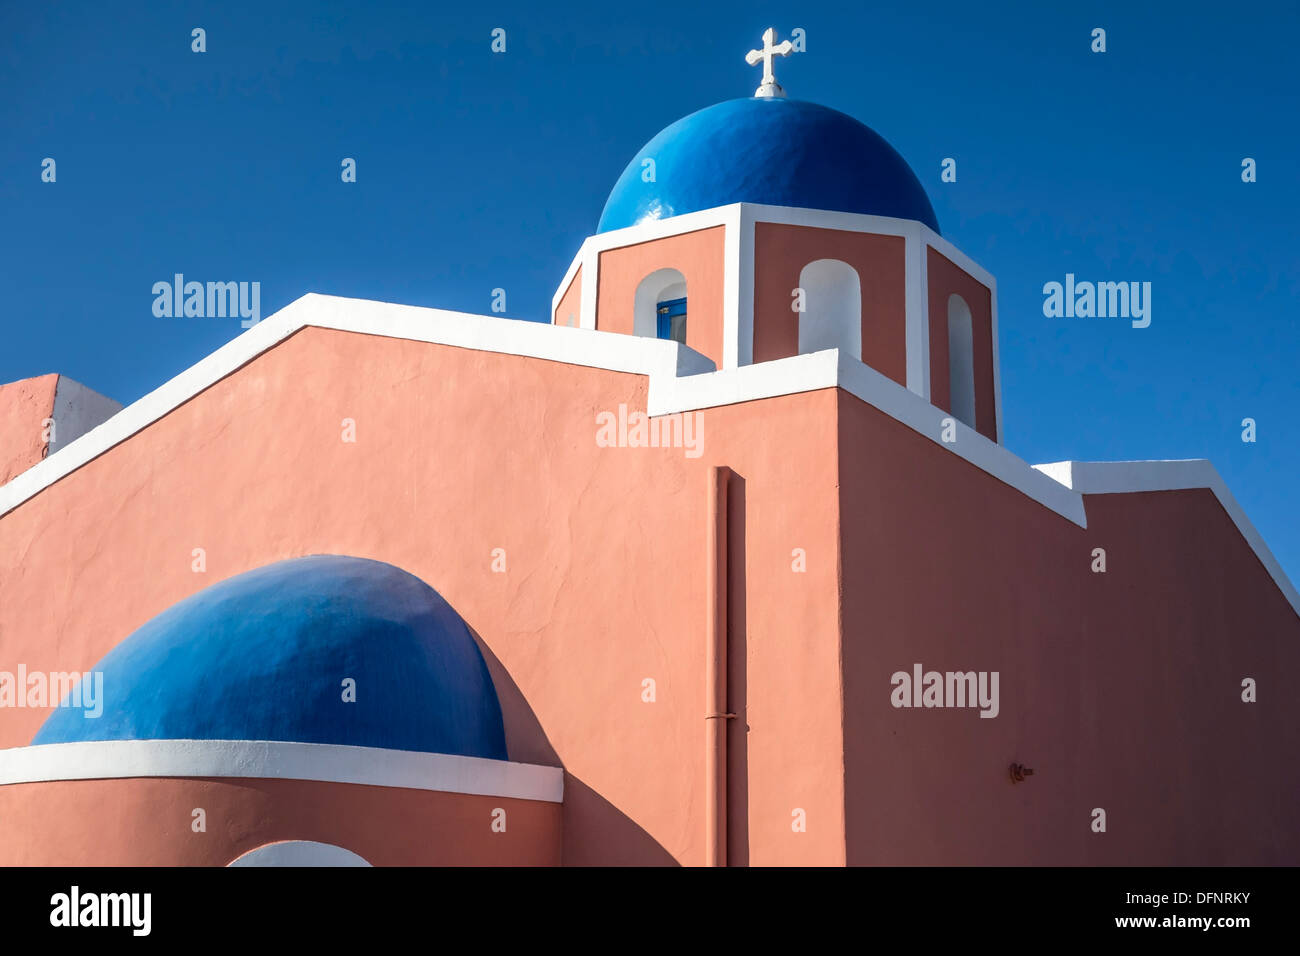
[[737, 679], [605, 836], [526, 741]]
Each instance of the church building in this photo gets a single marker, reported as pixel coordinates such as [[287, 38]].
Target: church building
[[726, 564]]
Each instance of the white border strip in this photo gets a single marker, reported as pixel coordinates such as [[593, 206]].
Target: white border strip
[[268, 759], [738, 291], [679, 380], [1129, 477], [832, 369], [619, 353]]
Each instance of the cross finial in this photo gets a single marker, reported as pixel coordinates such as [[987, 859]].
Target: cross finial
[[769, 87]]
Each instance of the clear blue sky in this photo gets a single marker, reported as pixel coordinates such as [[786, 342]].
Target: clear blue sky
[[478, 170]]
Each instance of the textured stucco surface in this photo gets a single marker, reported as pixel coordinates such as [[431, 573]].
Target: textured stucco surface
[[149, 822], [780, 254], [24, 408], [458, 453], [696, 255], [1122, 690]]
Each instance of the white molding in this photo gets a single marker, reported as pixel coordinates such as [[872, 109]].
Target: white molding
[[679, 380], [567, 281], [662, 228], [833, 369], [822, 219], [917, 309], [1129, 477], [958, 258], [556, 343], [590, 287], [733, 273], [745, 312], [270, 759]]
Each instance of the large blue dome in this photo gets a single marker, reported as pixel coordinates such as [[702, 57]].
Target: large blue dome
[[767, 150], [263, 656]]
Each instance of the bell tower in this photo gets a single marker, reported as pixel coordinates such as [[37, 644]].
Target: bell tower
[[765, 228]]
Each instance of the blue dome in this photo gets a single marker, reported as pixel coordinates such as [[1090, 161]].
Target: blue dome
[[263, 656], [767, 150]]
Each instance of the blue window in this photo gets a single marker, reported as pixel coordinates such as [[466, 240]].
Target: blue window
[[672, 320]]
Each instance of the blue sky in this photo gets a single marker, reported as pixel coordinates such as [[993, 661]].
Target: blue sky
[[479, 170]]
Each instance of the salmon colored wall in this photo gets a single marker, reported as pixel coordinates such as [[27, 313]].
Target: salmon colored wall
[[696, 255], [781, 252], [1122, 690], [24, 407], [147, 822], [947, 279], [459, 452], [569, 311]]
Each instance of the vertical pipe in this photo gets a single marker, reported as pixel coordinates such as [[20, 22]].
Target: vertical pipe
[[715, 720]]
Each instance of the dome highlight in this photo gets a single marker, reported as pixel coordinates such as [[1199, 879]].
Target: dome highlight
[[767, 150], [264, 656]]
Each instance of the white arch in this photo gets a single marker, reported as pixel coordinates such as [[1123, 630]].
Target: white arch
[[832, 300], [658, 286], [961, 361], [299, 853]]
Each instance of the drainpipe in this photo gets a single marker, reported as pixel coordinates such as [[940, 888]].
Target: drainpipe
[[715, 700]]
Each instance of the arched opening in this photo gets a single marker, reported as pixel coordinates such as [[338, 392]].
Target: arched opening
[[659, 310], [832, 308], [961, 361], [299, 853]]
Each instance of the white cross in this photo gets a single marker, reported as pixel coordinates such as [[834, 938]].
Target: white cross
[[769, 87]]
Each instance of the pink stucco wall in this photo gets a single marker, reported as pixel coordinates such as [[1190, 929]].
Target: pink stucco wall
[[459, 452], [569, 311], [24, 408], [698, 256], [1122, 690], [780, 254], [149, 822]]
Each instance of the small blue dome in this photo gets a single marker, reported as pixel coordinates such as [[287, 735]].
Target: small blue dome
[[263, 656], [767, 150]]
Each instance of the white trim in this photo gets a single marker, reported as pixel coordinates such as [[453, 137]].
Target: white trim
[[733, 269], [590, 287], [745, 310], [563, 289], [917, 312], [567, 281], [620, 353], [739, 220], [270, 759], [662, 228], [822, 219], [958, 258], [833, 369], [679, 380], [1129, 477]]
